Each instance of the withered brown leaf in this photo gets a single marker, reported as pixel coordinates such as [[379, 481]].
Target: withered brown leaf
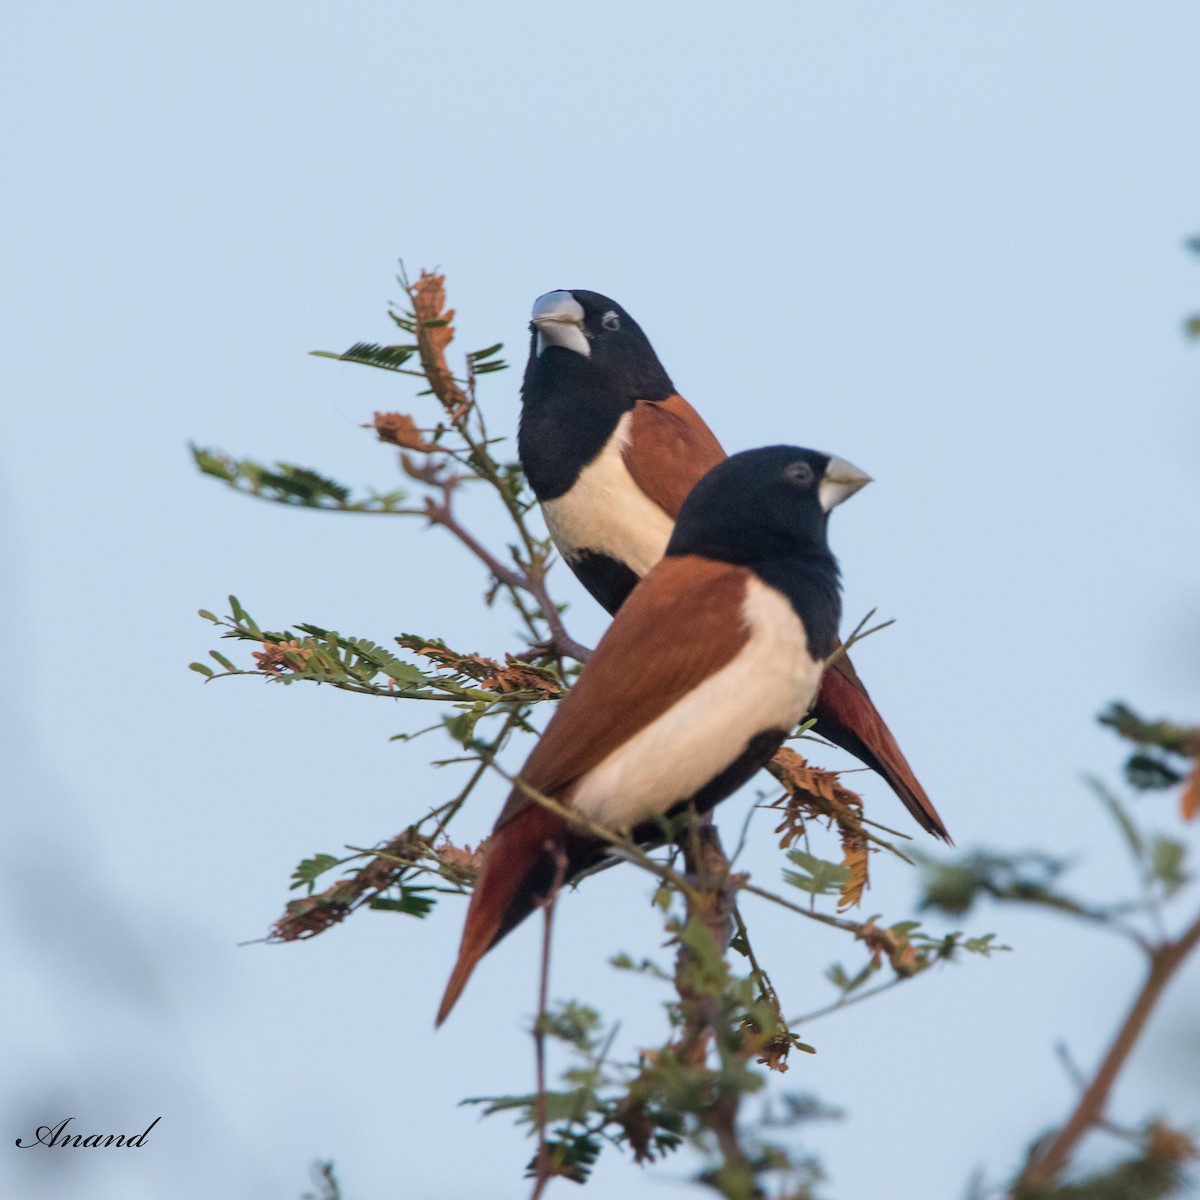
[[854, 856], [478, 666], [274, 659], [773, 1051], [399, 429], [434, 334], [516, 677], [1189, 801], [461, 856], [1170, 1145], [815, 792]]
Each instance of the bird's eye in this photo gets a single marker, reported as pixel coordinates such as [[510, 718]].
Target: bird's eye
[[799, 474], [610, 321]]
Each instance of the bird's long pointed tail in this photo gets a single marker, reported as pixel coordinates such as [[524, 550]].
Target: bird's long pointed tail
[[518, 870], [847, 716]]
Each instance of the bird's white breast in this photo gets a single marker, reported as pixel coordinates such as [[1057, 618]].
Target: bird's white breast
[[770, 684], [606, 512]]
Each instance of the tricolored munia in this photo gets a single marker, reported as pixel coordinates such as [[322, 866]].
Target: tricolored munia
[[707, 667], [611, 450]]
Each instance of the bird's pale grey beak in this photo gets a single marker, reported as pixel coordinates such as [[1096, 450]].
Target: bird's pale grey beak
[[558, 317], [842, 480]]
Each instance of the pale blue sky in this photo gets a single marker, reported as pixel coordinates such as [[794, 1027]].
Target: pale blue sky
[[942, 240]]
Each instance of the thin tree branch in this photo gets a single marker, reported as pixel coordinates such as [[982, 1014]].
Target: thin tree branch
[[543, 1172], [441, 514], [1045, 1165], [853, 998], [766, 987], [530, 580], [811, 914], [447, 811]]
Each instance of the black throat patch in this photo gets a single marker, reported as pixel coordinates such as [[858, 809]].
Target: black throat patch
[[567, 417]]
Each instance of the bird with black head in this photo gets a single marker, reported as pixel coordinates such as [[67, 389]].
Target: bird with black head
[[611, 451], [711, 662]]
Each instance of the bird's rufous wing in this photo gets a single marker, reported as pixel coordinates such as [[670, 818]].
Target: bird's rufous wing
[[673, 632], [669, 450]]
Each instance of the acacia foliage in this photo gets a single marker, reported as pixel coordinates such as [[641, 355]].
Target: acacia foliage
[[726, 1026]]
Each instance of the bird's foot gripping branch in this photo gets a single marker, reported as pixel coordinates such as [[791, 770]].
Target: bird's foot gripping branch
[[726, 1021]]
